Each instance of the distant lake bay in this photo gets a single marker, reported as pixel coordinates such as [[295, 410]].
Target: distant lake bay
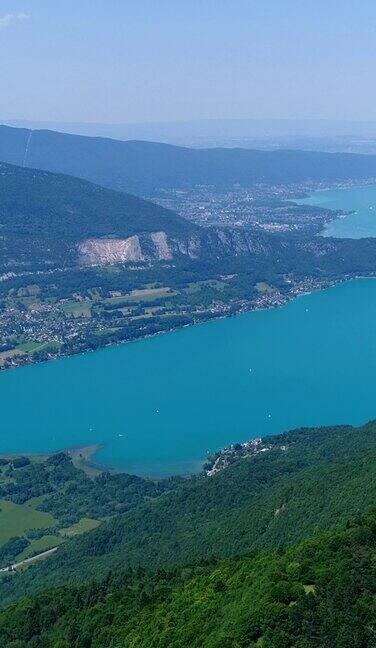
[[360, 200], [159, 405]]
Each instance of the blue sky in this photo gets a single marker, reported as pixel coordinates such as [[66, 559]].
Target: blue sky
[[151, 60]]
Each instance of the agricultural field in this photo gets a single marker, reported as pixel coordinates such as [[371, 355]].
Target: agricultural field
[[16, 519], [8, 355], [196, 286], [39, 545], [118, 308], [84, 525], [144, 294], [25, 529], [264, 288], [78, 308], [47, 499], [28, 348]]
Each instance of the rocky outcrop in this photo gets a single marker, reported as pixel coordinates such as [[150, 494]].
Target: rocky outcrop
[[157, 246], [162, 248], [140, 247], [106, 251]]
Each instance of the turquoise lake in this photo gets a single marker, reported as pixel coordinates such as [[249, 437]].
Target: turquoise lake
[[360, 200], [159, 405]]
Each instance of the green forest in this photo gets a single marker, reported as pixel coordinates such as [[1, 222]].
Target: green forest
[[275, 550], [320, 592]]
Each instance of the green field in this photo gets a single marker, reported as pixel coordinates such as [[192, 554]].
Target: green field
[[144, 294], [28, 347], [78, 308], [33, 347], [209, 283], [4, 355], [16, 519], [35, 501], [84, 525], [39, 545], [263, 287]]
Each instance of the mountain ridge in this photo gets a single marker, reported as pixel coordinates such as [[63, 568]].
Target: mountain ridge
[[145, 168]]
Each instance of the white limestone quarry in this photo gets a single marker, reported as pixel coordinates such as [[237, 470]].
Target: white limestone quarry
[[107, 250]]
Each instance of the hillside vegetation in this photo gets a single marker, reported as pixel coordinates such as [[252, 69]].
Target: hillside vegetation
[[318, 593], [44, 500], [271, 499], [46, 218], [37, 203]]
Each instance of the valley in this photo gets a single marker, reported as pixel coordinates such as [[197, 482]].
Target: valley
[[187, 325]]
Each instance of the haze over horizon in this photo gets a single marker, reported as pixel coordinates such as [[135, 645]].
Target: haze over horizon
[[346, 136], [136, 62]]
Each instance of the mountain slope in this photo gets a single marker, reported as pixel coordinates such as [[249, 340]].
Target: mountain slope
[[48, 204], [319, 593], [145, 167], [45, 216], [304, 482]]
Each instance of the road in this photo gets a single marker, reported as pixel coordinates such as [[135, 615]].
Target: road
[[29, 561]]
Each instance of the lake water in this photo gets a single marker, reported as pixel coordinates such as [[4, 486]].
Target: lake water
[[360, 200], [159, 405]]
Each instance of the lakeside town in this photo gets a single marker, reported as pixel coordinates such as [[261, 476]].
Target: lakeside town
[[224, 458], [272, 208], [36, 331]]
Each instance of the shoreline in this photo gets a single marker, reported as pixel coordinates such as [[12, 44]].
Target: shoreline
[[340, 214], [359, 184], [84, 456], [285, 299], [230, 309]]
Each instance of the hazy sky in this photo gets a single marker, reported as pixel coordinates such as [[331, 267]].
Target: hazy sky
[[150, 60]]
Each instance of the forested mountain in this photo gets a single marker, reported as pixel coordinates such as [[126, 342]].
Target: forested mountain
[[44, 217], [145, 167], [304, 482], [318, 593], [40, 203]]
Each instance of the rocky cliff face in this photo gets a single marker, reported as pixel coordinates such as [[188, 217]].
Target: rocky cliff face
[[141, 247], [106, 251], [158, 246]]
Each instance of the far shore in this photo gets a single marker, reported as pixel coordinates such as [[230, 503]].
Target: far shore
[[285, 299]]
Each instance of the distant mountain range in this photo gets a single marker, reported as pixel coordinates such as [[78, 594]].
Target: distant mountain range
[[201, 131], [145, 168]]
